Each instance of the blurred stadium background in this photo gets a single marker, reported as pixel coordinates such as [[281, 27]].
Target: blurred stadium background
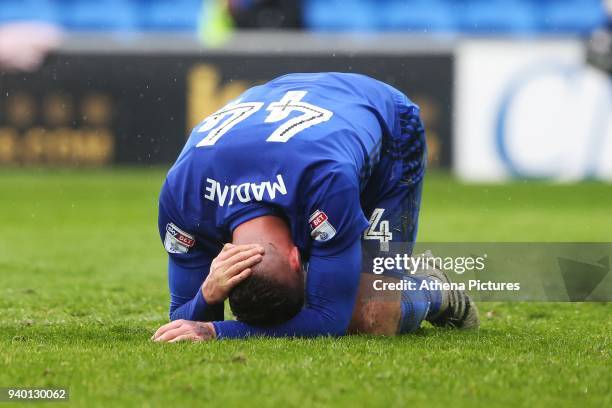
[[504, 85]]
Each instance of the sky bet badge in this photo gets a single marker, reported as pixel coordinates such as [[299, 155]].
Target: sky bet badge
[[177, 241], [320, 227]]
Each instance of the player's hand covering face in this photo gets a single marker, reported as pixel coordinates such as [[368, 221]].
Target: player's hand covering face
[[184, 330], [228, 269]]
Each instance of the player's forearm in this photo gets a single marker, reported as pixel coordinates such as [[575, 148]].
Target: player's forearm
[[308, 323], [196, 309]]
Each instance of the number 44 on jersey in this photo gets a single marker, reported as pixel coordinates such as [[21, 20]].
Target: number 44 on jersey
[[220, 122]]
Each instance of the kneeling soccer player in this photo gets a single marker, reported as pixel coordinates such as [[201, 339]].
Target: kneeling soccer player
[[268, 204]]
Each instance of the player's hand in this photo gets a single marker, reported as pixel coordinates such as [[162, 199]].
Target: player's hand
[[185, 330], [228, 269]]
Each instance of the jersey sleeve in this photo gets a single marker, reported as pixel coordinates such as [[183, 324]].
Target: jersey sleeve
[[188, 265], [335, 218]]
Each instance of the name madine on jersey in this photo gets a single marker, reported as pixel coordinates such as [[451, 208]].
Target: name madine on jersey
[[227, 193]]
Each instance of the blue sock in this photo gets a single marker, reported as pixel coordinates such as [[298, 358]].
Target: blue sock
[[418, 304]]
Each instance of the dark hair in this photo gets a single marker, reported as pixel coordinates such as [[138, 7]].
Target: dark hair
[[262, 301]]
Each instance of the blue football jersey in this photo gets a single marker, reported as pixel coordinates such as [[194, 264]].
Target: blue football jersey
[[301, 146]]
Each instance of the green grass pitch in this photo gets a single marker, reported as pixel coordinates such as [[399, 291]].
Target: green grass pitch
[[83, 287]]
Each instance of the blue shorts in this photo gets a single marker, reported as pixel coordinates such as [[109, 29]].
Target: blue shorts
[[396, 185]]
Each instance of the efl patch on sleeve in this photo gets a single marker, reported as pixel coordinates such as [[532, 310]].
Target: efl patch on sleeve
[[177, 241], [320, 227]]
